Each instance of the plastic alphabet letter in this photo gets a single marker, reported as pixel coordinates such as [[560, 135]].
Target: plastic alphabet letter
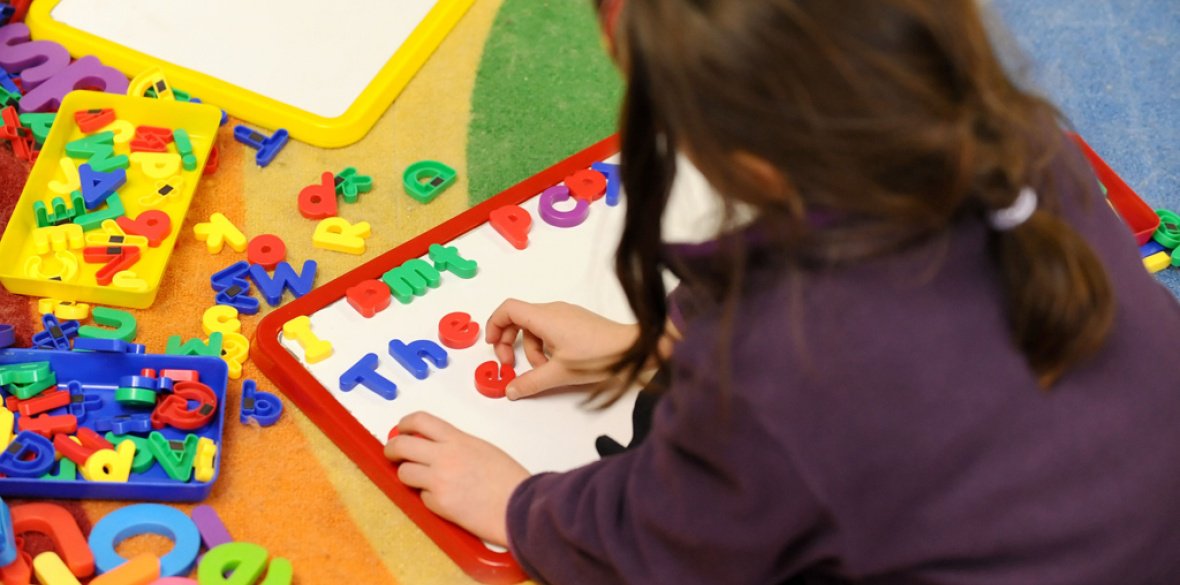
[[319, 201], [587, 185], [266, 250], [7, 423], [203, 464], [60, 525], [68, 310], [123, 323], [70, 448], [51, 570], [195, 346], [185, 147], [46, 426], [562, 219], [175, 411], [8, 550], [234, 274], [91, 121], [350, 185], [85, 73], [218, 232], [512, 222], [611, 172], [314, 349], [72, 182], [246, 562], [157, 165], [58, 238], [458, 331], [448, 258], [66, 471], [212, 529], [284, 278], [411, 279], [221, 318], [25, 373], [338, 235], [268, 146], [57, 335], [28, 455], [110, 466], [425, 180], [129, 280], [44, 402], [153, 224], [36, 61], [151, 139], [413, 356], [177, 460], [369, 297], [239, 298], [81, 403], [364, 373], [137, 519], [124, 424], [491, 379], [114, 209], [39, 123], [97, 187], [263, 407], [235, 350], [113, 235], [142, 569], [150, 80]]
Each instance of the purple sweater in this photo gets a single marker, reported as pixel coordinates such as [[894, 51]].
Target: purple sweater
[[904, 440]]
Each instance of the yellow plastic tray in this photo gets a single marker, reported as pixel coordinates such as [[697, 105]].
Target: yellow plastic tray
[[17, 244], [259, 109]]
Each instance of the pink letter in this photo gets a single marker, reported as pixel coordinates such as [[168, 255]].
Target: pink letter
[[36, 61], [85, 73]]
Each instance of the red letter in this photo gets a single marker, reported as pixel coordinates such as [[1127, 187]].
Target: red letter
[[512, 222]]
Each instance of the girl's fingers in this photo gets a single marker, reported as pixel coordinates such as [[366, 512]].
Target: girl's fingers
[[427, 425], [432, 504], [534, 350], [507, 335], [510, 313], [505, 346], [548, 376], [415, 475], [410, 448]]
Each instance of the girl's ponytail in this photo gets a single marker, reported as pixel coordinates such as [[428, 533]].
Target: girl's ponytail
[[1060, 303], [879, 132]]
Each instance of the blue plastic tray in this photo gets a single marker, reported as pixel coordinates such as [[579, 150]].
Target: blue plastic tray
[[101, 373]]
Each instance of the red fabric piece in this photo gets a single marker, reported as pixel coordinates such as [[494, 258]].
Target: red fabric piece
[[14, 309]]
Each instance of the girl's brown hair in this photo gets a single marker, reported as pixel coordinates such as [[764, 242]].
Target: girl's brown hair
[[893, 116]]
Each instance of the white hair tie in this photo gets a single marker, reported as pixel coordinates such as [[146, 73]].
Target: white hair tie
[[1014, 215]]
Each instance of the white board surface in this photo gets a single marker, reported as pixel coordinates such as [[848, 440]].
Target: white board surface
[[551, 432], [315, 56]]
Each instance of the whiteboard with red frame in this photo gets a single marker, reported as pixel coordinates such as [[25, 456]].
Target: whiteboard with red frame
[[552, 432]]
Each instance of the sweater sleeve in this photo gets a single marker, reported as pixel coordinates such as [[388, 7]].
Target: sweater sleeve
[[699, 501]]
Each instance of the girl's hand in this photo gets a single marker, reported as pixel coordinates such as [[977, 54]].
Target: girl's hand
[[566, 344], [463, 479]]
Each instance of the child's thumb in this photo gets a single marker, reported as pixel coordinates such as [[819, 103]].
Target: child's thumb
[[548, 375]]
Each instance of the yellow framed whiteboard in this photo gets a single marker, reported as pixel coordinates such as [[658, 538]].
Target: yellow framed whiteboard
[[324, 71]]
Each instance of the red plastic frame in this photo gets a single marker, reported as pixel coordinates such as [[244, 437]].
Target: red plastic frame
[[1138, 216], [366, 451]]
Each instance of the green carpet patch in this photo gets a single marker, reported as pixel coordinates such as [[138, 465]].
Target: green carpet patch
[[545, 89]]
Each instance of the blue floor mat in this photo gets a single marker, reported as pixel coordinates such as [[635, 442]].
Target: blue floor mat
[[1113, 67]]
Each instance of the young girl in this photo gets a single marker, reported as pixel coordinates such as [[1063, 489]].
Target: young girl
[[930, 353]]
